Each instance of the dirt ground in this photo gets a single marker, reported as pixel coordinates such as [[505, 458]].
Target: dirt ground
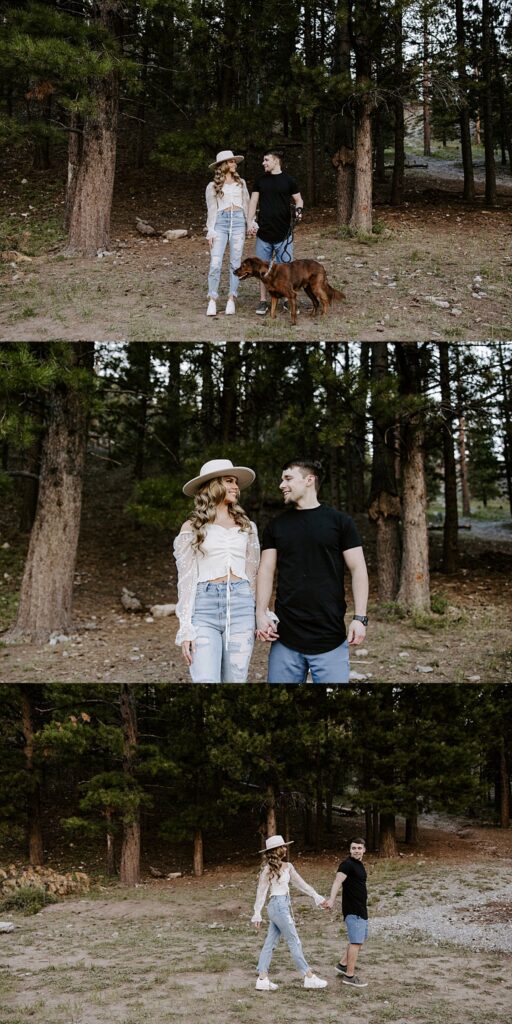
[[470, 641], [439, 269], [182, 950]]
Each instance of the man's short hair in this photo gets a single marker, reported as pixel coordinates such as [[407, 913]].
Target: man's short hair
[[276, 152], [358, 840], [308, 466]]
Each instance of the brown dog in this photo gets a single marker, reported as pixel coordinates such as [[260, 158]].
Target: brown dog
[[284, 280]]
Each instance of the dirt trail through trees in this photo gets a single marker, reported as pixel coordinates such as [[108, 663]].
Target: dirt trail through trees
[[182, 950]]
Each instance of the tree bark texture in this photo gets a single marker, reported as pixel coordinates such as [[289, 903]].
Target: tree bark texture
[[198, 853], [34, 830], [46, 593], [93, 175], [129, 872]]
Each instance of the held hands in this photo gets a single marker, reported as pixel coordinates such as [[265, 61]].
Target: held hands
[[265, 629], [356, 633], [327, 905], [188, 648]]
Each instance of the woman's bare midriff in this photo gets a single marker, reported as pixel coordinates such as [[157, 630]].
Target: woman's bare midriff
[[224, 579]]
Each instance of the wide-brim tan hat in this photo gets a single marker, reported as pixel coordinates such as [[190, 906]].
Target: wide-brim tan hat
[[225, 154], [274, 842], [219, 467]]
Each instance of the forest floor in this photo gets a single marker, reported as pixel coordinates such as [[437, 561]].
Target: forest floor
[[182, 950], [438, 268], [468, 640]]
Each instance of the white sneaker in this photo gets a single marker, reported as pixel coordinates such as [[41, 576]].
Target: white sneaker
[[212, 308], [265, 985], [230, 307], [314, 982]]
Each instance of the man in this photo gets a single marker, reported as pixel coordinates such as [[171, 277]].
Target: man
[[351, 875], [310, 544], [274, 191]]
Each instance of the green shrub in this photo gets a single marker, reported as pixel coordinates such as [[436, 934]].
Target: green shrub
[[28, 899]]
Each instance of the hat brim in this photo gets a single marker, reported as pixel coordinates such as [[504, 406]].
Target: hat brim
[[225, 160], [244, 475], [276, 847]]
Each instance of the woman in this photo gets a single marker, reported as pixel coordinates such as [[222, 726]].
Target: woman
[[217, 554], [227, 201], [276, 875]]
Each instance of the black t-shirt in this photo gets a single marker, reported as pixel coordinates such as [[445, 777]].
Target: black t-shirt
[[310, 599], [354, 895], [274, 219]]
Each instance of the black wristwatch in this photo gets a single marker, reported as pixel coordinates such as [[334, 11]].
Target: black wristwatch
[[361, 618]]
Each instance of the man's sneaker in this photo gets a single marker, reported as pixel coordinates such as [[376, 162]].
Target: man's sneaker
[[262, 309], [341, 968], [265, 985], [314, 982], [212, 308], [354, 981]]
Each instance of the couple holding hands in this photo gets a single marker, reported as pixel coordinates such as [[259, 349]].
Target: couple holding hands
[[225, 580], [231, 216], [275, 877]]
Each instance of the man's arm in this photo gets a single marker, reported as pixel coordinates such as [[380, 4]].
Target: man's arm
[[336, 886], [354, 560], [251, 213], [265, 628]]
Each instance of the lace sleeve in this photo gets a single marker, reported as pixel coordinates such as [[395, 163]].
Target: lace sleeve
[[186, 562], [304, 887], [252, 558], [263, 885]]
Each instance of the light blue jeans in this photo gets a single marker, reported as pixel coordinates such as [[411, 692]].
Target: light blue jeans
[[283, 250], [281, 923], [229, 227], [288, 666], [212, 660]]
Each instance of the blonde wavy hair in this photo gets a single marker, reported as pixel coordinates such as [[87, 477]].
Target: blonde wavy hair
[[206, 500], [274, 862], [219, 177]]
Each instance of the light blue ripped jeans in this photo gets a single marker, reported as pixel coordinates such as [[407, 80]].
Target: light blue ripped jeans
[[279, 911], [229, 227], [212, 660]]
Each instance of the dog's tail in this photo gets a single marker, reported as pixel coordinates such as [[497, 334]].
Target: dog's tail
[[334, 294]]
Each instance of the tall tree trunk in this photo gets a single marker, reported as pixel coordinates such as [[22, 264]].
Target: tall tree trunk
[[343, 158], [46, 593], [129, 872], [28, 696], [387, 836], [397, 184], [465, 131], [451, 515], [361, 217], [384, 507], [414, 590], [91, 201], [271, 810], [463, 467], [487, 76], [198, 853], [229, 398], [426, 88]]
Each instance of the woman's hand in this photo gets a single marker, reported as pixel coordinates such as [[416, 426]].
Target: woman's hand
[[257, 925], [188, 648]]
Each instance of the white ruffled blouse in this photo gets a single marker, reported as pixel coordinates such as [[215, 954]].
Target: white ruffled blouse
[[281, 887], [225, 552]]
